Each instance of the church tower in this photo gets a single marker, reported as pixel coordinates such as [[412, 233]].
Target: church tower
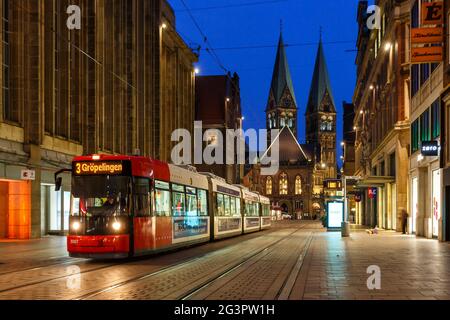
[[281, 110], [321, 118]]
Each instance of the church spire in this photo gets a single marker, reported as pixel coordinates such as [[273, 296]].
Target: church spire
[[320, 85], [281, 79]]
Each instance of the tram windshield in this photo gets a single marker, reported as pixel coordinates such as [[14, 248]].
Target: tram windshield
[[105, 196]]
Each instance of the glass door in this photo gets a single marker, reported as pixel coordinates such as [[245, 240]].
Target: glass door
[[415, 203], [58, 210], [436, 205]]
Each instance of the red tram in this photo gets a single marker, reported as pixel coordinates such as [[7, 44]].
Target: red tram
[[124, 206]]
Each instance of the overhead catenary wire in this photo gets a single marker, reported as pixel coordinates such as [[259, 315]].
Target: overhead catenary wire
[[247, 4]]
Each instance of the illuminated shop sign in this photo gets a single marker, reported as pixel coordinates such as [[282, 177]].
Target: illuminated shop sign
[[98, 168], [429, 148], [372, 193]]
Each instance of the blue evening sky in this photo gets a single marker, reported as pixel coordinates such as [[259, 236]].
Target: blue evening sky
[[235, 27]]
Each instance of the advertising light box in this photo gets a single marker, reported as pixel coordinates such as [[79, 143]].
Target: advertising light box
[[335, 214]]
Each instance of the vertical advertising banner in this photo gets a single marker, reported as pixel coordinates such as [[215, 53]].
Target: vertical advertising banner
[[335, 212]]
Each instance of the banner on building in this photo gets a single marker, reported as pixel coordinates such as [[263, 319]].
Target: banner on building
[[427, 54], [432, 13], [427, 35]]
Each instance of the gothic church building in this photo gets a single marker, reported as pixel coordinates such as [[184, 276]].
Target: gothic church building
[[297, 188]]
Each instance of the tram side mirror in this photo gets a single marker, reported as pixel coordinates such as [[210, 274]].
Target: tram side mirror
[[58, 184]]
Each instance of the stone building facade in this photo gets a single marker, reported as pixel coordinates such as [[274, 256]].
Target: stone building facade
[[218, 107], [120, 84], [382, 114]]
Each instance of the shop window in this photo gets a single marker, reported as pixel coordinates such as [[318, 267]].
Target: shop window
[[284, 184]]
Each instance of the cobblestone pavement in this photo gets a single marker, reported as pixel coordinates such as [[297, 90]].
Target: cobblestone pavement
[[411, 268], [294, 260]]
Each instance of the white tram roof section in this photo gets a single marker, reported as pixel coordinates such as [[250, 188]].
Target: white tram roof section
[[188, 178], [249, 195], [264, 200]]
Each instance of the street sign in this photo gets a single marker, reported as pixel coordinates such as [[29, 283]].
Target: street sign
[[429, 148], [427, 35], [28, 175], [432, 12], [427, 54]]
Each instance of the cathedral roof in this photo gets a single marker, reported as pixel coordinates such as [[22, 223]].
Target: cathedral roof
[[281, 79], [320, 85], [290, 150]]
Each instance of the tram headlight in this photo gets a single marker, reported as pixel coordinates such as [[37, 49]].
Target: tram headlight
[[116, 226], [76, 226]]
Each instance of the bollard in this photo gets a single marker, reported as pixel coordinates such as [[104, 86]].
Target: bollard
[[345, 229]]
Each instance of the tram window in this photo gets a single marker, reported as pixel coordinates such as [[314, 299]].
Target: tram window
[[142, 198], [191, 205], [176, 187], [238, 206], [233, 206], [265, 211], [220, 205], [178, 204], [227, 205], [162, 203], [162, 185], [202, 202]]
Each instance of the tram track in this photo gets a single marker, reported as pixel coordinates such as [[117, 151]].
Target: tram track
[[161, 271], [288, 283], [186, 295], [180, 264], [93, 270], [41, 267]]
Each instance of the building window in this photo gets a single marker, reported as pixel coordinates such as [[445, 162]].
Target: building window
[[9, 112], [435, 120], [298, 185], [269, 185], [392, 165], [415, 136], [425, 126], [284, 186]]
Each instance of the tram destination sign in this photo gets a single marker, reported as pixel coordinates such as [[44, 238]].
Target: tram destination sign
[[98, 168], [429, 148]]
